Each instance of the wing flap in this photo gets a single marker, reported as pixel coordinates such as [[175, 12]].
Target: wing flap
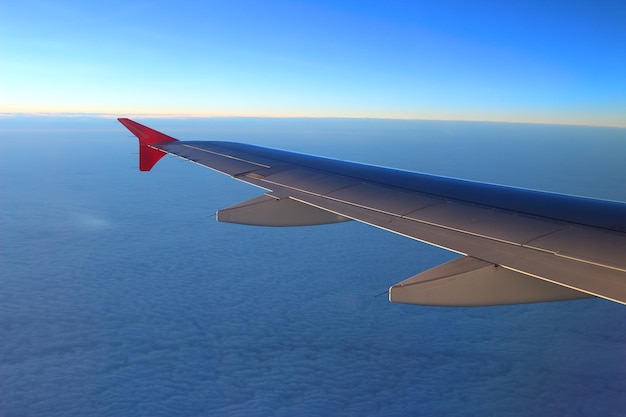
[[309, 180], [485, 221], [384, 199], [592, 245]]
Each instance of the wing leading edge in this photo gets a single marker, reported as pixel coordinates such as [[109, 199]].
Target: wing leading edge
[[520, 245]]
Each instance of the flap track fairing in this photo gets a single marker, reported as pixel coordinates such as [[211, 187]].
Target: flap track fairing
[[266, 210]]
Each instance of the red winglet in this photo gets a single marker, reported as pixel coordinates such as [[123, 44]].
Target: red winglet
[[147, 156]]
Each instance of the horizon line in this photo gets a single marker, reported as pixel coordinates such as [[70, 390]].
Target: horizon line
[[105, 115]]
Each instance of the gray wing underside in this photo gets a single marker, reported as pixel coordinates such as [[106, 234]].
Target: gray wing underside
[[510, 256]]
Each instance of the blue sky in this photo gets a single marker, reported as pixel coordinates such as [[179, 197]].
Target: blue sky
[[552, 62]]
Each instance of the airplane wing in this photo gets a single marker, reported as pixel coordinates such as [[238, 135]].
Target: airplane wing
[[519, 245]]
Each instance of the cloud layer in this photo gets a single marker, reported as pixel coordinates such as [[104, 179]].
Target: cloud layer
[[120, 295]]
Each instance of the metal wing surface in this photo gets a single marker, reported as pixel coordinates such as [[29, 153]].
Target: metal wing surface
[[520, 245]]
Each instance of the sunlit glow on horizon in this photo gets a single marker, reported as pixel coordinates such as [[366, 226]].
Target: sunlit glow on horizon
[[475, 117]]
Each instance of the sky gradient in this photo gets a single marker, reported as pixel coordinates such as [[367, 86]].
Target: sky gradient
[[558, 62]]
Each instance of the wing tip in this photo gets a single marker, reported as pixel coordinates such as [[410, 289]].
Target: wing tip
[[148, 154]]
